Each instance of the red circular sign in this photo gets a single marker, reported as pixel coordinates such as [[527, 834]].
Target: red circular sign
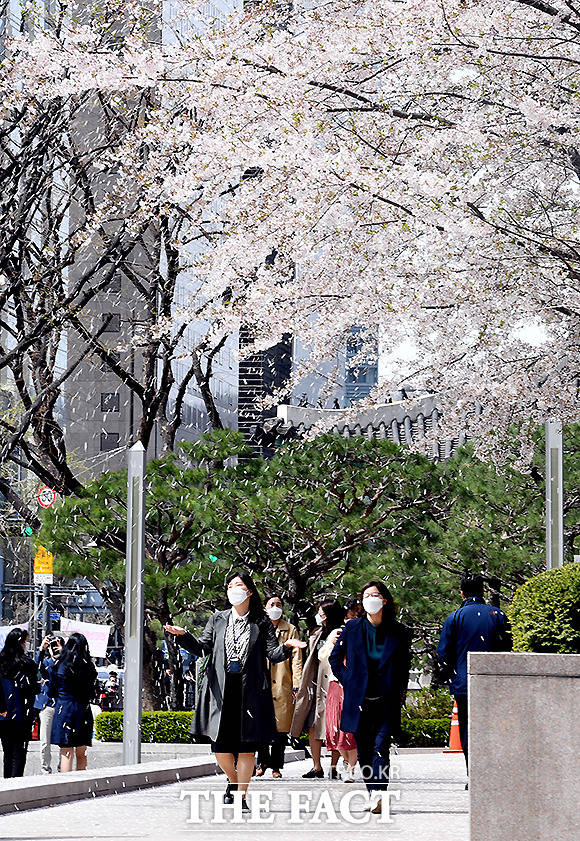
[[46, 497]]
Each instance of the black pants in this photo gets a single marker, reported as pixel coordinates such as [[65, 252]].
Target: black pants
[[15, 747], [461, 701], [272, 756], [373, 744]]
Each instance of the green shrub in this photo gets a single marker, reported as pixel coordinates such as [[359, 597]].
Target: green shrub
[[109, 727], [425, 732], [428, 703], [415, 733], [173, 727], [161, 727], [545, 613]]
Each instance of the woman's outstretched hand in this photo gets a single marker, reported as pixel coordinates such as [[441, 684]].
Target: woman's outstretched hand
[[334, 635], [295, 643], [176, 630]]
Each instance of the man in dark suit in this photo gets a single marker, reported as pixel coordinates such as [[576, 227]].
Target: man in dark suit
[[475, 626]]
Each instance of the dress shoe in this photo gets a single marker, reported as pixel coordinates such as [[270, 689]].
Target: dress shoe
[[313, 774], [260, 771], [245, 807], [333, 775], [228, 796], [276, 774]]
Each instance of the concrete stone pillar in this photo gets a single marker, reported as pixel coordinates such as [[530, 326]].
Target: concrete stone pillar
[[524, 746]]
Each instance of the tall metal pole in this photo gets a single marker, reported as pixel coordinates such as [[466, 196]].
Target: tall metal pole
[[134, 605], [3, 553], [554, 495], [34, 634], [46, 623]]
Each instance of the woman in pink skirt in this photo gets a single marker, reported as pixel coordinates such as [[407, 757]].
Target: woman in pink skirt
[[337, 739]]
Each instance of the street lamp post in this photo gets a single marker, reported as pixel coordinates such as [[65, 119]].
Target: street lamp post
[[554, 495], [134, 605], [46, 621], [34, 635]]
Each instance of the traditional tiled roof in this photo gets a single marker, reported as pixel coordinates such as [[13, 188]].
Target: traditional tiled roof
[[401, 422]]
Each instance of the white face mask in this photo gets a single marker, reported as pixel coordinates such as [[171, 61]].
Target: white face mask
[[372, 604], [236, 595], [274, 613], [319, 619]]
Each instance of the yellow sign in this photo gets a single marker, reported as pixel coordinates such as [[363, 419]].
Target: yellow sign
[[43, 566]]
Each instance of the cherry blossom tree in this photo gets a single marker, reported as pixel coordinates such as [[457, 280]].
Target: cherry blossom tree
[[67, 236], [408, 169], [413, 168]]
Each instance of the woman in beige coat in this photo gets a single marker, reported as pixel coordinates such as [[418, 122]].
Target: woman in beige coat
[[310, 710], [286, 678]]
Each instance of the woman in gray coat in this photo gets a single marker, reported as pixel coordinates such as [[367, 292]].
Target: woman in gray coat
[[235, 710]]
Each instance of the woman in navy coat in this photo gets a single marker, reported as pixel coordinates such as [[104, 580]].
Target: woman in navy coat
[[73, 687], [371, 659], [18, 687]]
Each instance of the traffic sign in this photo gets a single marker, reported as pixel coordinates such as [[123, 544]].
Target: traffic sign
[[43, 566], [46, 497]]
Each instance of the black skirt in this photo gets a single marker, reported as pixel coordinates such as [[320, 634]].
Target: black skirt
[[229, 738]]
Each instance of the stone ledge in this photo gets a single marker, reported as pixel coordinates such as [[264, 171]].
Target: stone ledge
[[425, 751], [22, 793], [523, 664], [110, 754]]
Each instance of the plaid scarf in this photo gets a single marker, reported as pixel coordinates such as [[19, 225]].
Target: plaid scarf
[[237, 639]]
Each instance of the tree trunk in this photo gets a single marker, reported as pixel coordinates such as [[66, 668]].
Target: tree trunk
[[18, 504], [154, 694], [176, 699], [438, 679], [174, 682], [494, 591], [296, 596]]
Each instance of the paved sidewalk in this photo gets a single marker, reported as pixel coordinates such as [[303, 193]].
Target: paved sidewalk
[[432, 806]]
